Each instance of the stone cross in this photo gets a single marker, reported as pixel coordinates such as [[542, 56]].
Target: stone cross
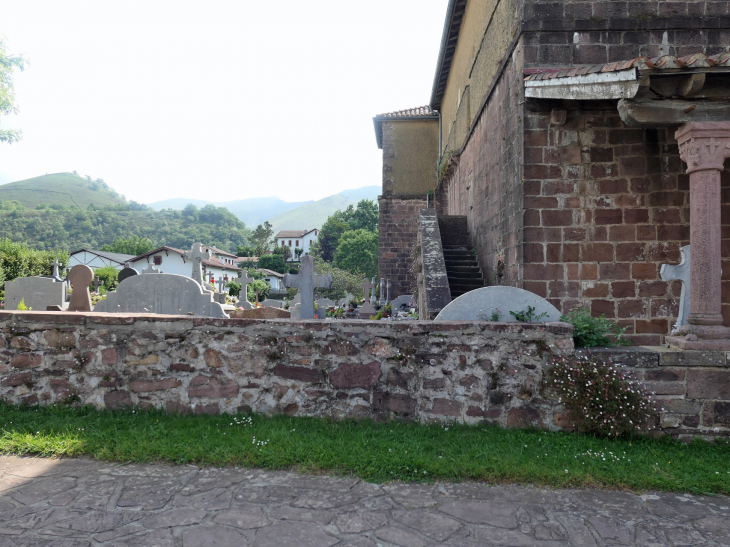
[[196, 254], [56, 264], [373, 298], [97, 283], [681, 272], [150, 269], [381, 300], [366, 286], [243, 279], [387, 298], [80, 278], [221, 284], [257, 292], [306, 280]]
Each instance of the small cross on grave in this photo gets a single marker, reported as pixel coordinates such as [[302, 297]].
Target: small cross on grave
[[373, 298], [366, 310], [244, 279], [196, 254], [306, 280], [257, 295], [221, 285], [97, 283], [680, 272], [150, 269], [381, 300], [56, 264]]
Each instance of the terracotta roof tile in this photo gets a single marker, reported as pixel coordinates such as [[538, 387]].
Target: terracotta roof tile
[[294, 233], [418, 112], [664, 62]]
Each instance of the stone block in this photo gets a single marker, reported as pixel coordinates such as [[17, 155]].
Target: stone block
[[213, 358], [109, 356], [355, 376], [708, 384], [17, 379], [268, 312], [678, 358], [21, 342], [302, 374], [62, 387], [118, 400], [446, 407], [58, 339], [524, 417], [394, 402], [665, 388], [177, 408], [210, 408], [146, 386], [26, 360], [208, 386], [399, 378]]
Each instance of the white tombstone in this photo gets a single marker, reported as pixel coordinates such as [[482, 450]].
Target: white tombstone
[[295, 311], [306, 280], [681, 272], [167, 294], [367, 309], [270, 303], [35, 292], [477, 305], [196, 255]]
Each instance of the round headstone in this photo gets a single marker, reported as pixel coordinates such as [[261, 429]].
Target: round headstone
[[125, 273], [479, 304]]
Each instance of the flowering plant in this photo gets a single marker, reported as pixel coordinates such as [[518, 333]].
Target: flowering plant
[[600, 398]]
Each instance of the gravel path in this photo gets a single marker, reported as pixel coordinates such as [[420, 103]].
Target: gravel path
[[47, 502]]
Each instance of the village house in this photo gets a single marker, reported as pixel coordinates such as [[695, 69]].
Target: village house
[[274, 279], [171, 260], [297, 239], [569, 138]]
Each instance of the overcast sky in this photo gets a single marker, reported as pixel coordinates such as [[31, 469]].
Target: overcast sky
[[214, 99]]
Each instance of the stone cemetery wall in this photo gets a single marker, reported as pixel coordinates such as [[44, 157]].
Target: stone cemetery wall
[[425, 370]]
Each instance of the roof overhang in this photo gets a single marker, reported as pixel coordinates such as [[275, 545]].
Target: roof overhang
[[598, 86], [449, 39], [378, 124]]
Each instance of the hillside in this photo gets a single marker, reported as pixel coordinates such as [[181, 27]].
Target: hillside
[[252, 211], [314, 214], [61, 189], [70, 229]]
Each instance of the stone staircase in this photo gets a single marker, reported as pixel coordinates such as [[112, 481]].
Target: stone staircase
[[462, 267]]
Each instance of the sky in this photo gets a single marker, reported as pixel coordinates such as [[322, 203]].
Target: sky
[[214, 99]]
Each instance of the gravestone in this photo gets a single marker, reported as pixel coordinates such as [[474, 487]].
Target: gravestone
[[387, 298], [381, 299], [126, 273], [306, 280], [196, 255], [244, 279], [269, 303], [402, 300], [373, 298], [150, 269], [680, 272], [168, 294], [36, 292], [56, 276], [97, 283], [295, 311], [324, 304], [367, 309], [343, 302], [296, 300], [478, 305], [221, 285], [80, 278]]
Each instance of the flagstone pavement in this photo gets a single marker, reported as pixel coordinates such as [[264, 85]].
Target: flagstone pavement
[[81, 502]]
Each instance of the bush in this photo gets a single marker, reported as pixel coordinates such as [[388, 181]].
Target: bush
[[600, 398], [273, 262], [343, 282], [108, 276], [18, 260], [594, 331]]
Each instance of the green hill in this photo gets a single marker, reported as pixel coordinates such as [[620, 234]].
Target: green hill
[[61, 189], [314, 214]]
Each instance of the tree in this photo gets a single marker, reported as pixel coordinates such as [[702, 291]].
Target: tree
[[245, 250], [133, 245], [108, 276], [298, 252], [358, 252], [365, 216], [284, 251], [362, 217], [261, 238], [8, 64], [258, 285], [343, 282], [273, 262]]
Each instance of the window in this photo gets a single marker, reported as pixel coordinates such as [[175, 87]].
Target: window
[[290, 243], [283, 243], [158, 260], [297, 243]]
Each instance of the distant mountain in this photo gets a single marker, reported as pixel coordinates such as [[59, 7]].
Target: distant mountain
[[252, 211], [64, 189], [314, 214]]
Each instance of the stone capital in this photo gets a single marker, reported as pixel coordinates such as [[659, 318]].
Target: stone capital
[[704, 145]]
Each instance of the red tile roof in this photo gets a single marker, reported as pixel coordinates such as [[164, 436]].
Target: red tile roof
[[665, 62], [294, 233], [418, 112]]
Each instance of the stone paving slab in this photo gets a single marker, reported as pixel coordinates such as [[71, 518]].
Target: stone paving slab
[[81, 502]]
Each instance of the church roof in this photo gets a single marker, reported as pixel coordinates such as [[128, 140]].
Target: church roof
[[419, 112], [663, 63], [449, 38]]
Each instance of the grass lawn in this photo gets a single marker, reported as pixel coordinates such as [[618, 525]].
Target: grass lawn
[[373, 451]]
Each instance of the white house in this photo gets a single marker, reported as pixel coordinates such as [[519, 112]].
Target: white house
[[98, 259], [297, 239], [275, 279], [172, 260]]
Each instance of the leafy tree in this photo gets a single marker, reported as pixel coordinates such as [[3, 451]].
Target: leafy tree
[[284, 251], [258, 285], [343, 282], [363, 217], [133, 245], [357, 252], [234, 289], [298, 252], [8, 64], [273, 262], [261, 238], [245, 250]]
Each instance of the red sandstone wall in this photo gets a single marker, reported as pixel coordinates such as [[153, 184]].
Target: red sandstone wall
[[486, 183], [605, 206], [398, 229]]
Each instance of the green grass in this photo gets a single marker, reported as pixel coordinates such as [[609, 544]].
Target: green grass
[[373, 451], [64, 189]]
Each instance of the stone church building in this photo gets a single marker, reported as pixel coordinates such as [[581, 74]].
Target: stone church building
[[581, 144]]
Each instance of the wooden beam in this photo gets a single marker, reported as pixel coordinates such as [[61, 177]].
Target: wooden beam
[[648, 113]]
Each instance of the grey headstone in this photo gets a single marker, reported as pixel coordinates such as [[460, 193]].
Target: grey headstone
[[36, 292], [296, 311], [306, 280], [682, 273], [387, 298], [150, 269], [479, 304], [219, 297], [126, 273], [325, 303], [373, 298], [244, 279], [296, 300], [56, 275], [80, 277], [342, 302], [381, 300], [196, 255], [402, 300], [269, 303], [167, 294]]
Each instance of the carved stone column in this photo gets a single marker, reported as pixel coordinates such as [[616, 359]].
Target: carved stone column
[[704, 146]]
